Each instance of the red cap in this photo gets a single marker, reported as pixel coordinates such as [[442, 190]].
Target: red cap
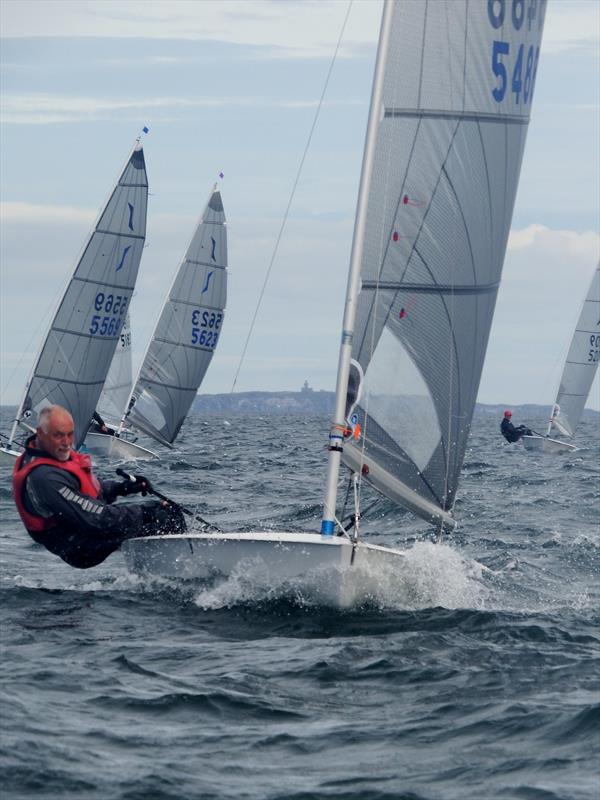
[[508, 413]]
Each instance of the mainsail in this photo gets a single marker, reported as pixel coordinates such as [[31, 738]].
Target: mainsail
[[581, 364], [117, 386], [186, 334], [77, 352], [450, 109]]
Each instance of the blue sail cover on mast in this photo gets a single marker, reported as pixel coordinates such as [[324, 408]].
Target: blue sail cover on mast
[[457, 94]]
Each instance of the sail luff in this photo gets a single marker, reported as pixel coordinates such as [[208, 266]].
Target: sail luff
[[352, 290]]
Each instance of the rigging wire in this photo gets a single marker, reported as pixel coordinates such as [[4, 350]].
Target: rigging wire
[[292, 193]]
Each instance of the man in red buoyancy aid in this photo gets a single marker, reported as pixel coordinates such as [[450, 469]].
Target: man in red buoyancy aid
[[68, 510]]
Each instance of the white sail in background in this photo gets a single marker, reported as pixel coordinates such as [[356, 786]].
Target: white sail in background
[[77, 352], [117, 386], [440, 175], [186, 334], [581, 364]]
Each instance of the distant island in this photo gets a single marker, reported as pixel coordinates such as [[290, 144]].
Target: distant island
[[312, 402], [309, 402]]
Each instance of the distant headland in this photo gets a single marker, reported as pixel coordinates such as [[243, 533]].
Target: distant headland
[[314, 402]]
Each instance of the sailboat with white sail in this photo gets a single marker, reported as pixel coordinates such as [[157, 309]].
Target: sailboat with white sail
[[450, 107], [76, 354], [115, 394], [577, 377], [184, 339]]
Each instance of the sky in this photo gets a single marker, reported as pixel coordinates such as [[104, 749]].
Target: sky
[[232, 86]]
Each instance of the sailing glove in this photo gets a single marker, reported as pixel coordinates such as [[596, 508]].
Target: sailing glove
[[140, 484]]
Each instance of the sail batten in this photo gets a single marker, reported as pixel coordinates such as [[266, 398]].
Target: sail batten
[[415, 113], [447, 140], [430, 288]]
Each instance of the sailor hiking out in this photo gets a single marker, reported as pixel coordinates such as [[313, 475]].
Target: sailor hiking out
[[510, 433], [68, 510]]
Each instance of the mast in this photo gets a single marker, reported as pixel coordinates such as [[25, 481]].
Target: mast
[[336, 434]]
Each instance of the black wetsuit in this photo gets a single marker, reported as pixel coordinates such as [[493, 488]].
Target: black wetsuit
[[90, 529], [97, 425], [512, 434]]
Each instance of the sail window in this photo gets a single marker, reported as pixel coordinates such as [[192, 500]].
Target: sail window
[[400, 402]]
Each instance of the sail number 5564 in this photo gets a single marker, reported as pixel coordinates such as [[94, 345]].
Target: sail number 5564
[[206, 327]]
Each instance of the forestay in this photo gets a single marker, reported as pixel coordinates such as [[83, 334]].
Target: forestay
[[457, 89], [76, 355], [581, 364], [117, 386], [186, 334]]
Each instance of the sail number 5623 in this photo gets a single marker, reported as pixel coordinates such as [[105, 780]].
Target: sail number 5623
[[206, 327]]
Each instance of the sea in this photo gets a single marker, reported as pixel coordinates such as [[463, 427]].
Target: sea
[[471, 674]]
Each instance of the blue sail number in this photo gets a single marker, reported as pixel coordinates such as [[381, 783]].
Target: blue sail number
[[205, 328]]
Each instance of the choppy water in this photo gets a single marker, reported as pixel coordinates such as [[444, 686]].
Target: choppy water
[[472, 674]]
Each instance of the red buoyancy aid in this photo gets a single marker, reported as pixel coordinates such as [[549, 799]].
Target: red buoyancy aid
[[78, 464]]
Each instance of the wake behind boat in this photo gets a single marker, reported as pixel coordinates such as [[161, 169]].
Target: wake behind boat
[[440, 170]]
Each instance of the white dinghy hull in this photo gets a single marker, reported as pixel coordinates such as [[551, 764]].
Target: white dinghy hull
[[332, 568], [116, 447], [544, 444]]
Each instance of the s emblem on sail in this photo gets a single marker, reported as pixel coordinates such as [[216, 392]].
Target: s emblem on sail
[[208, 277], [122, 261]]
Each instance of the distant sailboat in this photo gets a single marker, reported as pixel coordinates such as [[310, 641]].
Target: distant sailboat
[[185, 337], [577, 377], [77, 352], [113, 399], [449, 112]]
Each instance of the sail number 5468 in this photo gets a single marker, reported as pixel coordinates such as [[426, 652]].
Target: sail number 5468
[[520, 64]]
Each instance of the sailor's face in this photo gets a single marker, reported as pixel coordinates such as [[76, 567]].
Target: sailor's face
[[57, 440]]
